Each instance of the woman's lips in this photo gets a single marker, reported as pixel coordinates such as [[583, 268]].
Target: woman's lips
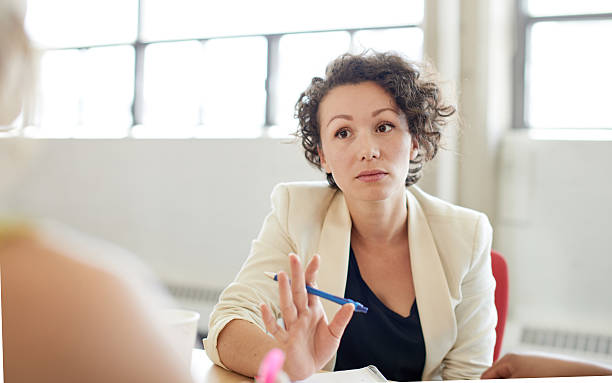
[[371, 176]]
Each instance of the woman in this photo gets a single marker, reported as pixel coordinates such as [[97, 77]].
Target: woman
[[71, 312], [421, 265]]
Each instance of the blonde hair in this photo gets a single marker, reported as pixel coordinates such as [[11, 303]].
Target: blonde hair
[[17, 85], [17, 64]]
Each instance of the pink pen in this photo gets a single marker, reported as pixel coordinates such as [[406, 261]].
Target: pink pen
[[271, 368]]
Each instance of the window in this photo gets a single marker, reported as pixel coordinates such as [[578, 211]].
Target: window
[[186, 68], [566, 64], [87, 92]]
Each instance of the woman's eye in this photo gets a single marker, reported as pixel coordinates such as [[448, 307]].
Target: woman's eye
[[385, 128], [343, 133]]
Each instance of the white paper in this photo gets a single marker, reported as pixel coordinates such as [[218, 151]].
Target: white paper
[[369, 374]]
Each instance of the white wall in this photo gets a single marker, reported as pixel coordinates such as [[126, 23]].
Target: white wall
[[554, 227], [189, 208]]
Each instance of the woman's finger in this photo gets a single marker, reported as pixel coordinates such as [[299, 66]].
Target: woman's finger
[[312, 268], [310, 277], [341, 320], [287, 306], [272, 326], [298, 284]]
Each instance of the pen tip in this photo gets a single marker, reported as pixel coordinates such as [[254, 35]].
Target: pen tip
[[270, 274]]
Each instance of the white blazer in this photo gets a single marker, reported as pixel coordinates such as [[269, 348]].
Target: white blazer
[[451, 264]]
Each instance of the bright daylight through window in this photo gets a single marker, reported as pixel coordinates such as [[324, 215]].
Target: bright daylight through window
[[567, 61], [191, 68]]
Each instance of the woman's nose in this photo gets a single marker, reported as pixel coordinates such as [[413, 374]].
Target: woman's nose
[[368, 148]]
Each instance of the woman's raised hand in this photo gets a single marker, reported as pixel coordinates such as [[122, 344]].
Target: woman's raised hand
[[308, 340]]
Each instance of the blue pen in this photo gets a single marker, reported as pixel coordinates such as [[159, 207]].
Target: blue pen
[[311, 290]]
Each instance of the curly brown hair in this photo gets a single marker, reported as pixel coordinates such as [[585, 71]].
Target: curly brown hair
[[418, 97]]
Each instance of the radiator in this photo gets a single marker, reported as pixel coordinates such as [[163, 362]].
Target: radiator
[[589, 346], [198, 298]]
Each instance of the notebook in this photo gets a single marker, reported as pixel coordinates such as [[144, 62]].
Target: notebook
[[369, 374]]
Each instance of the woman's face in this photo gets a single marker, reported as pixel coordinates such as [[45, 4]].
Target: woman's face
[[365, 141]]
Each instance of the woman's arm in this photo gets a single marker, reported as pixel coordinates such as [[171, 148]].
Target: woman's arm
[[476, 316], [308, 340], [242, 346], [241, 300], [539, 366]]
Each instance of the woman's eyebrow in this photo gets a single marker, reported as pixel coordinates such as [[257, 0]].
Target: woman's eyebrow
[[345, 116], [379, 111], [374, 113]]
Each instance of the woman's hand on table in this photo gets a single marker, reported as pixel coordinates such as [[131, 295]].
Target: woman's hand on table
[[537, 366]]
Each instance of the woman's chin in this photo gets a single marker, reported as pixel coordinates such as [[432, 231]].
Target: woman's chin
[[374, 193]]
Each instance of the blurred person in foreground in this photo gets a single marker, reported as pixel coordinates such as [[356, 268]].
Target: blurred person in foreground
[[513, 366], [73, 309]]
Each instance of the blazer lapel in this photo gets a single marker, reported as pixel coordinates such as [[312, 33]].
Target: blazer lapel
[[334, 245], [334, 251], [431, 289]]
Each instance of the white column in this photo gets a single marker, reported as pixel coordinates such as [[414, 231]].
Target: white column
[[487, 46], [442, 49]]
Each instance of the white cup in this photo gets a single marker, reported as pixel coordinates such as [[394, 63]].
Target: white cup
[[184, 327]]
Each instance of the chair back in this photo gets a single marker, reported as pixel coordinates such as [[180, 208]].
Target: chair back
[[500, 273]]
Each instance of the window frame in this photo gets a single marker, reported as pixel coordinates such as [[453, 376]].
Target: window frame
[[524, 22], [273, 58]]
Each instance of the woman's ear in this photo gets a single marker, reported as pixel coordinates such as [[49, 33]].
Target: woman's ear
[[414, 150], [322, 159]]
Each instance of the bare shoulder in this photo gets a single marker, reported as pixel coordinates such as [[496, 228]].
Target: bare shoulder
[[33, 264], [57, 307]]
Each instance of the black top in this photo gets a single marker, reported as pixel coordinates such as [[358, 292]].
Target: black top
[[382, 337]]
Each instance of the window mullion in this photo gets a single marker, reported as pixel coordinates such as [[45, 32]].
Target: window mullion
[[272, 80], [139, 47], [137, 106], [520, 63]]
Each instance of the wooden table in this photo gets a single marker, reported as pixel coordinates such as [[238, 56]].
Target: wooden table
[[204, 371]]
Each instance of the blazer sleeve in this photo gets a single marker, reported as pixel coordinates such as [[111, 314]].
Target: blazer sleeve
[[269, 252], [476, 315]]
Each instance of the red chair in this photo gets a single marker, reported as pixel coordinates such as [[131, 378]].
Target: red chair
[[500, 273]]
